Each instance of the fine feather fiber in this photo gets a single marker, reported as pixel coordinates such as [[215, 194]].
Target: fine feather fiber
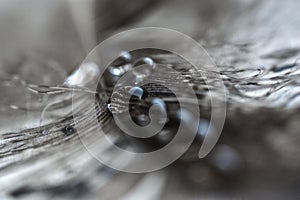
[[255, 46]]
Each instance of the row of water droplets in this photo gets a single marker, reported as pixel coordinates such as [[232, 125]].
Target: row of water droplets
[[142, 98], [175, 114], [262, 84], [248, 86]]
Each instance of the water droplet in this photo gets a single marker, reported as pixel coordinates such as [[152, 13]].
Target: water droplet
[[184, 115], [157, 113], [109, 107], [165, 136], [69, 130], [121, 65], [137, 92], [45, 132], [200, 174], [144, 67], [225, 159], [145, 60], [143, 120], [203, 128], [126, 56], [159, 102], [116, 71]]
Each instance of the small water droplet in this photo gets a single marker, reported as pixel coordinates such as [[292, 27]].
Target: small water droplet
[[199, 173], [165, 136], [159, 102], [126, 56], [116, 71], [109, 107], [143, 120], [144, 67], [225, 159], [157, 113], [203, 128], [121, 65], [45, 132], [184, 115], [136, 92], [145, 60], [69, 130]]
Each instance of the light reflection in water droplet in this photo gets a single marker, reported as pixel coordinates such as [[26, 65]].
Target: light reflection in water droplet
[[121, 65], [146, 66], [137, 92], [203, 128]]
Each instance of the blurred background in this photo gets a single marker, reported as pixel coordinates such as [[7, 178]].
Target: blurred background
[[255, 45]]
